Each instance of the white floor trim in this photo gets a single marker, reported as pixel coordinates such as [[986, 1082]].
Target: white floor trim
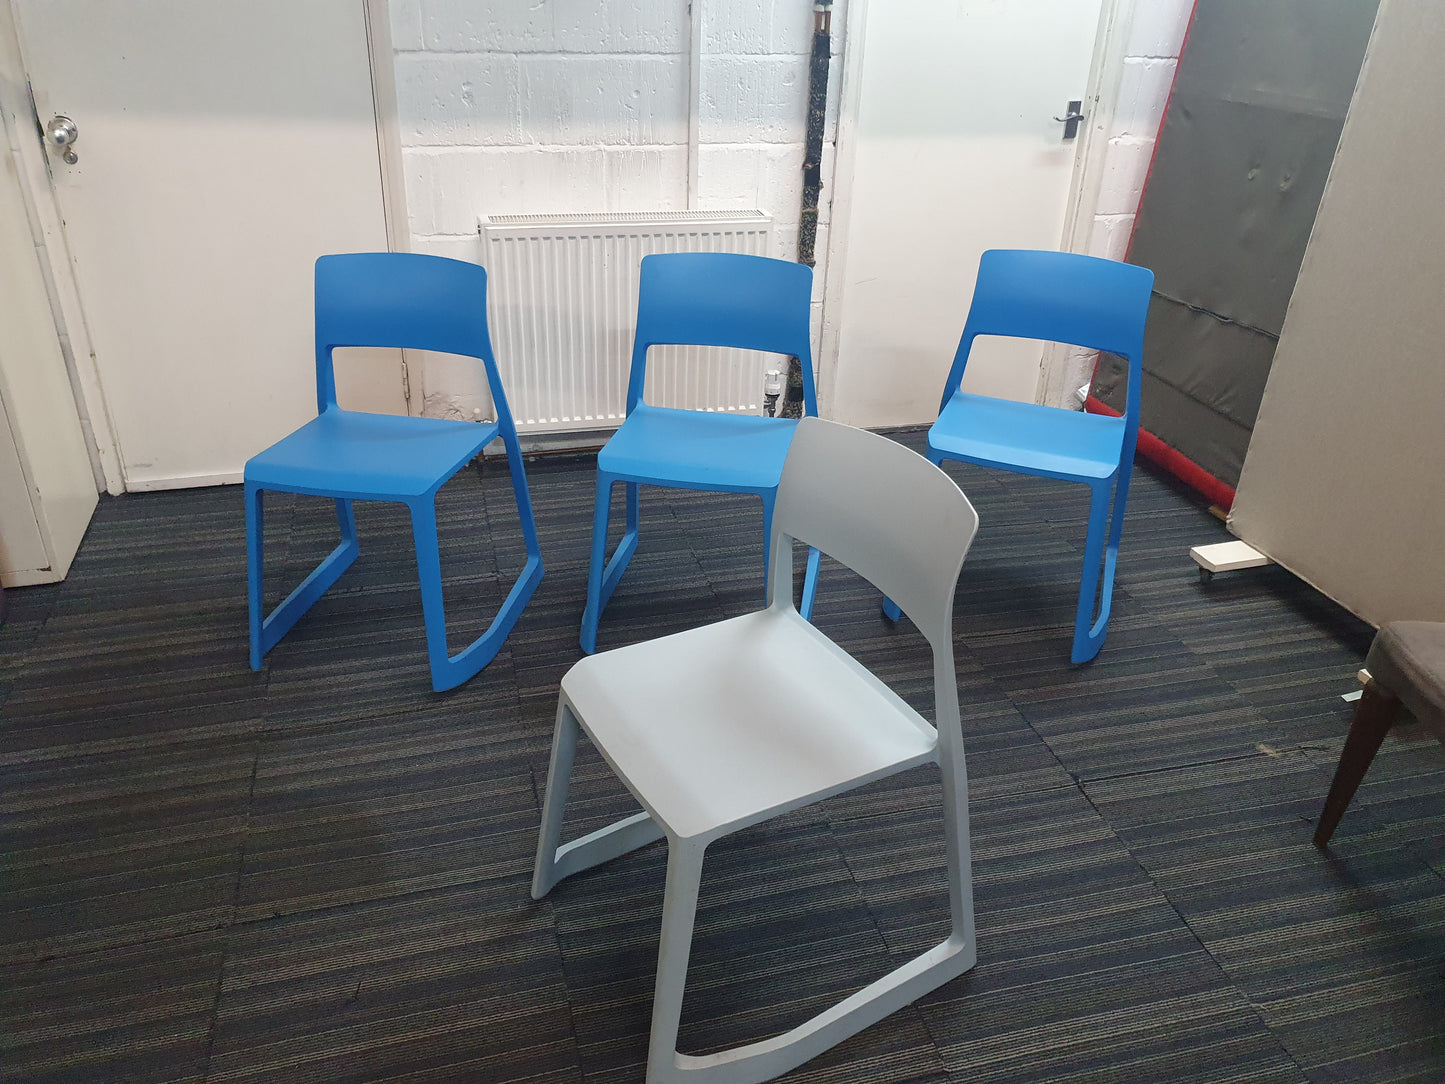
[[184, 481]]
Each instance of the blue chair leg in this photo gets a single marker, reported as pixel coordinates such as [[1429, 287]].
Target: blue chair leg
[[601, 508], [769, 498], [346, 520], [449, 671], [267, 634], [523, 496], [810, 584], [429, 574], [467, 662], [601, 582], [810, 576], [255, 532], [1088, 630], [531, 574], [628, 543]]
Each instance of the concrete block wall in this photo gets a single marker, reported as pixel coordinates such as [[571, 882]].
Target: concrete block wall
[[518, 107], [1152, 55]]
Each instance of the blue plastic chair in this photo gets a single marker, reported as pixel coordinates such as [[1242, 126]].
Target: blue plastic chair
[[702, 299], [1065, 298], [390, 300]]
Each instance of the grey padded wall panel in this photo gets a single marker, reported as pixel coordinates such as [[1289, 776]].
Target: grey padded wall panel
[[1227, 223], [1345, 479], [1195, 346], [1243, 153]]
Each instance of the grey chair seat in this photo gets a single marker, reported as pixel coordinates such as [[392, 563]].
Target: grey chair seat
[[1408, 659]]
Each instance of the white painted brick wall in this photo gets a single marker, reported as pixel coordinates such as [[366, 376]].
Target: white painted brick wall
[[1143, 91], [1155, 39], [406, 35], [754, 99], [448, 187], [753, 118], [761, 27], [1158, 28], [553, 26], [616, 100], [458, 100], [518, 107], [521, 107]]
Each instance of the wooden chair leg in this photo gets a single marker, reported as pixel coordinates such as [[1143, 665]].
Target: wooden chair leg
[[1373, 718]]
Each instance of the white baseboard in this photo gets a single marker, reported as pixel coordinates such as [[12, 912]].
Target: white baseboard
[[184, 481]]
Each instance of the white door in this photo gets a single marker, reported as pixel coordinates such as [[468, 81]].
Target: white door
[[222, 147], [47, 488], [22, 546], [954, 151]]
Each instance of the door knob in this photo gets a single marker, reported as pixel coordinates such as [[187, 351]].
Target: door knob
[[1070, 119], [62, 133]]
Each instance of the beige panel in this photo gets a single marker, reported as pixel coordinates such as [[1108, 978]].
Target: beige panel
[[1344, 483]]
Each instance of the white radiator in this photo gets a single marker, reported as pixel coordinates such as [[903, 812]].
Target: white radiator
[[563, 306]]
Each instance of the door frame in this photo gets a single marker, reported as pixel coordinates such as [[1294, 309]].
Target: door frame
[[22, 130], [1101, 97]]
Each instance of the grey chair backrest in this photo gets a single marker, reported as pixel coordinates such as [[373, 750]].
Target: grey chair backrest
[[882, 510]]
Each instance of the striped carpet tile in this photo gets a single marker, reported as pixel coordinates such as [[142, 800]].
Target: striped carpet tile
[[321, 870]]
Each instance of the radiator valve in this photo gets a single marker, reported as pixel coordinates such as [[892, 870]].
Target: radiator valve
[[772, 388]]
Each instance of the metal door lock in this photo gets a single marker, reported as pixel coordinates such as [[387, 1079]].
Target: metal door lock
[[1070, 119], [61, 133]]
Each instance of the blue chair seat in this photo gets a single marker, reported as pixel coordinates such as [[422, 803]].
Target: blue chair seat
[[1032, 439], [689, 449], [344, 453]]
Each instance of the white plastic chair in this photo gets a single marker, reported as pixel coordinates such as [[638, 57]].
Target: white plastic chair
[[734, 723]]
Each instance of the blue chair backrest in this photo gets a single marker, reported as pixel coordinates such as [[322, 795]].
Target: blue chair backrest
[[1059, 297], [723, 299], [400, 299]]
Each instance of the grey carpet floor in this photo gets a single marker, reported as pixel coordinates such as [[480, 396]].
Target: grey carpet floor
[[320, 870]]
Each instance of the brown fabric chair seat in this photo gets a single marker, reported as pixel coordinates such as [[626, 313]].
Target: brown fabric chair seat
[[1408, 660]]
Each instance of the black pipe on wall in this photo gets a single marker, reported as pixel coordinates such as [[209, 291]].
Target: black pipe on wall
[[812, 172], [817, 110]]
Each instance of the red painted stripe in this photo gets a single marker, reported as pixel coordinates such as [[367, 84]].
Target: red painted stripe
[[1173, 460]]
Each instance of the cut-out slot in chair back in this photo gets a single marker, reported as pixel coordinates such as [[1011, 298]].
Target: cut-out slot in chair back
[[882, 510], [1060, 297]]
